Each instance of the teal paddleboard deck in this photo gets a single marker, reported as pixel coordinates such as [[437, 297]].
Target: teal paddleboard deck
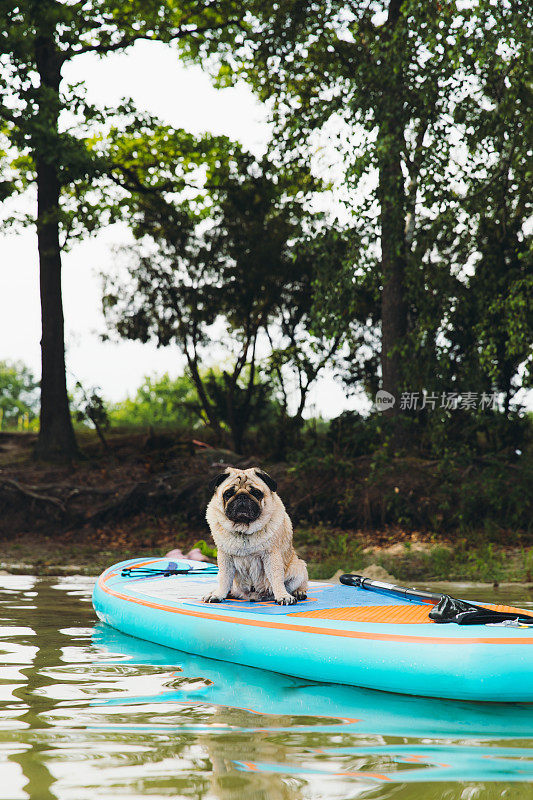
[[340, 634]]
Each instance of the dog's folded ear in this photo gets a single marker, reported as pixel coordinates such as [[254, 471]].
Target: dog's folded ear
[[215, 482], [265, 477]]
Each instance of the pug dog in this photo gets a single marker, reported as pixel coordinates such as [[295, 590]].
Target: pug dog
[[253, 534]]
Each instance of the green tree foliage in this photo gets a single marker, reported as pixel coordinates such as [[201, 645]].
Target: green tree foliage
[[50, 130], [173, 403], [430, 105], [162, 402], [230, 253], [18, 393], [491, 329]]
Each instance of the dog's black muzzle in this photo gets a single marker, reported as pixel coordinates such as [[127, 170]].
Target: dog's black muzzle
[[242, 508]]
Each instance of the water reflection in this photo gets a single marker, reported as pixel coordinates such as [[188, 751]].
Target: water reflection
[[89, 713]]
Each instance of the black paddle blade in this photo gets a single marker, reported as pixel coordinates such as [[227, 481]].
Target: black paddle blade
[[462, 613]]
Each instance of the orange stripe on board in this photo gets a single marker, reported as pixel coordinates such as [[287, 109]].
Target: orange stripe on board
[[394, 615], [382, 637]]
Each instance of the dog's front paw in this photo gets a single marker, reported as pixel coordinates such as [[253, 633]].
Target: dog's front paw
[[300, 595], [286, 599], [213, 597]]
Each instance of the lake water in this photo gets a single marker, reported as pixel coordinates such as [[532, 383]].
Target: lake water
[[87, 713]]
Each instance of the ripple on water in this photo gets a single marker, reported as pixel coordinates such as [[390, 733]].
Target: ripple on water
[[88, 713]]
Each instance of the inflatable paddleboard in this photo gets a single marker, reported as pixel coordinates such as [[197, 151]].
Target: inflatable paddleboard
[[340, 634]]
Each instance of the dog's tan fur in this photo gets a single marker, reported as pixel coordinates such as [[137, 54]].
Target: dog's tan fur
[[255, 559]]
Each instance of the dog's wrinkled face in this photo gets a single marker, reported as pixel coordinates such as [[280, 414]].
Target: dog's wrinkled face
[[242, 503], [246, 498]]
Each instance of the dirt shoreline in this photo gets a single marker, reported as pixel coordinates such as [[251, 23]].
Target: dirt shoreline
[[37, 555]]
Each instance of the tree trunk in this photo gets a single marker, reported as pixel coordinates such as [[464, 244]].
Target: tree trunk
[[393, 256], [56, 436], [393, 238]]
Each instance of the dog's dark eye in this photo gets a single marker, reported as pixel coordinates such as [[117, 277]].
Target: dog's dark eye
[[257, 494], [228, 493]]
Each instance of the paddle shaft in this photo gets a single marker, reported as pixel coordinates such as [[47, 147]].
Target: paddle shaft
[[389, 588]]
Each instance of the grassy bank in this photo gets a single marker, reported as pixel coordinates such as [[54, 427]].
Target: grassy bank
[[326, 550]]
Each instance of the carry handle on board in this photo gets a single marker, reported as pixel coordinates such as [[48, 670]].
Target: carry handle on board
[[445, 608], [172, 568]]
